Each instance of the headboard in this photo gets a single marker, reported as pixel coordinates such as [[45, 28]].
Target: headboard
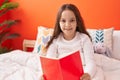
[[28, 43]]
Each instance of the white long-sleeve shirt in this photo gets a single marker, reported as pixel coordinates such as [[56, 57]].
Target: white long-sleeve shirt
[[81, 42]]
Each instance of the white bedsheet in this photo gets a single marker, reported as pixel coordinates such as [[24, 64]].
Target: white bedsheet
[[110, 68], [20, 65]]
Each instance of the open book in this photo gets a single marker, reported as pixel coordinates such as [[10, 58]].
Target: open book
[[65, 68]]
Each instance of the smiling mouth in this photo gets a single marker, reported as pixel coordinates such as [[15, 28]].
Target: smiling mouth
[[68, 29]]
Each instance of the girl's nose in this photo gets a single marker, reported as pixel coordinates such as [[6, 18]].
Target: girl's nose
[[67, 24]]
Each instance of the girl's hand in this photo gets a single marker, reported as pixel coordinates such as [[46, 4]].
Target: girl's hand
[[42, 78], [85, 76]]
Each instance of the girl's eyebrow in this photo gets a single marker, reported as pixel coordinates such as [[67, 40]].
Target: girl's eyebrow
[[70, 18], [73, 18], [61, 18]]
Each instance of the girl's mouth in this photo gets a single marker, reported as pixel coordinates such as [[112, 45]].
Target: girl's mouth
[[68, 29]]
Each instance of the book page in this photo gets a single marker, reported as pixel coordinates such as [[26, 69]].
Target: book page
[[59, 57]]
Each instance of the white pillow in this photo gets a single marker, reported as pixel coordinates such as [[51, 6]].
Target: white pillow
[[116, 44], [102, 35], [43, 36]]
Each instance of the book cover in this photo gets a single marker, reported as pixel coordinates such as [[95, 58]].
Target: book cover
[[65, 68]]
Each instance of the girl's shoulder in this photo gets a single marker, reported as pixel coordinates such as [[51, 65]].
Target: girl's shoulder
[[58, 38], [84, 37]]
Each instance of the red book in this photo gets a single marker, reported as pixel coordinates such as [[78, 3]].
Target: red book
[[65, 68]]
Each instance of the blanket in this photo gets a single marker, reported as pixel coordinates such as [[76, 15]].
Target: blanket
[[20, 65], [108, 68]]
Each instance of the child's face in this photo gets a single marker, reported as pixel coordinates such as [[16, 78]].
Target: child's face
[[68, 24]]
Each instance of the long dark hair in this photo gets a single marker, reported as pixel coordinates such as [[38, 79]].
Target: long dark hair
[[80, 23]]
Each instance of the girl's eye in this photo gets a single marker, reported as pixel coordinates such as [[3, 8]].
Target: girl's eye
[[62, 20], [72, 20]]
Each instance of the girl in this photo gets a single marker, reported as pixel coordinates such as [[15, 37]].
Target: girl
[[70, 35]]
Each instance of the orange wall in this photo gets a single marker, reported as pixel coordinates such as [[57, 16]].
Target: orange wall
[[32, 13]]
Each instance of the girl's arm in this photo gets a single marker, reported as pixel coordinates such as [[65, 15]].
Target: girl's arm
[[90, 67], [52, 50]]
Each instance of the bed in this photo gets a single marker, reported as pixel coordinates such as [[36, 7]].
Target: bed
[[23, 65], [19, 65]]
